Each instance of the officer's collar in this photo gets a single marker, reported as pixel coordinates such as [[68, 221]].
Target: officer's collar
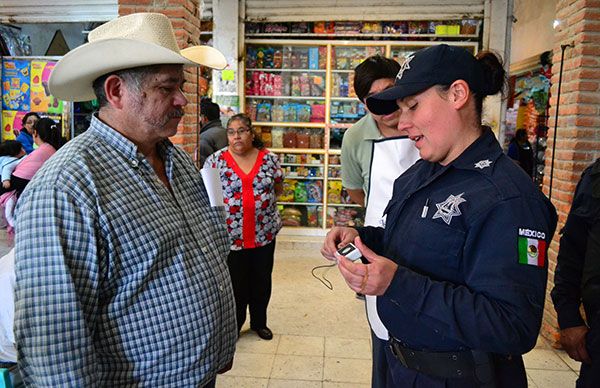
[[481, 155]]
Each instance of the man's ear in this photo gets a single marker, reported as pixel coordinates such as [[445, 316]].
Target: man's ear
[[114, 88], [459, 93]]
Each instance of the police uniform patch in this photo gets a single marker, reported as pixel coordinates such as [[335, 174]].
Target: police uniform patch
[[532, 247], [449, 208]]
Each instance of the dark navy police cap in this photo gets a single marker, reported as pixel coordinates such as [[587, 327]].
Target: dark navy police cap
[[434, 65]]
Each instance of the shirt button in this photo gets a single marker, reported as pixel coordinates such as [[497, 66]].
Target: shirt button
[[134, 162], [221, 287]]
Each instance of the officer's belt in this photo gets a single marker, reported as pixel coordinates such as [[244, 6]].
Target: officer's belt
[[446, 365]]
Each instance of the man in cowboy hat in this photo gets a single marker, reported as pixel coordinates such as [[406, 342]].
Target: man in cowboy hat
[[120, 261]]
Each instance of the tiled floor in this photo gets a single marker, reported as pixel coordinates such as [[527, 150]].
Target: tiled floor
[[321, 337]]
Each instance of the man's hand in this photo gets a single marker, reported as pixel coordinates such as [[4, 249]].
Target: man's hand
[[573, 341], [6, 184], [335, 239], [368, 279]]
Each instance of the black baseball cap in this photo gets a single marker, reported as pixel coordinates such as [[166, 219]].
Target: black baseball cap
[[434, 65]]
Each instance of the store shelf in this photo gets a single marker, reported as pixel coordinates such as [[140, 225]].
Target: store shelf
[[299, 151], [343, 205], [288, 124], [269, 70], [330, 104], [301, 98], [301, 203], [358, 35], [318, 178]]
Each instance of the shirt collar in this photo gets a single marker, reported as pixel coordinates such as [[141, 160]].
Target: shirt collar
[[119, 142], [371, 131], [481, 155]]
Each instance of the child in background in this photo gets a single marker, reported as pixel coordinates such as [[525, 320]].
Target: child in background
[[11, 152]]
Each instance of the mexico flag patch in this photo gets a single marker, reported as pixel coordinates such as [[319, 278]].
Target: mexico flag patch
[[532, 247]]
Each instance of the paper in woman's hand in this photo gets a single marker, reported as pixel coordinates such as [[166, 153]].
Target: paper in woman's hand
[[212, 182]]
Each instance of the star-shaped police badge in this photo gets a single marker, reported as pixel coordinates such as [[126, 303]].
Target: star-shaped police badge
[[483, 164], [405, 66], [449, 208]]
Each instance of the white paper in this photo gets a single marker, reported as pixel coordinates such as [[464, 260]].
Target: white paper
[[212, 182]]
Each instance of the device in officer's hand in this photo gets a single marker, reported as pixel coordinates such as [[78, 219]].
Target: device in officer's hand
[[351, 252]]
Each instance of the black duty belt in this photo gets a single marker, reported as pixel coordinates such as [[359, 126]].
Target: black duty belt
[[446, 365]]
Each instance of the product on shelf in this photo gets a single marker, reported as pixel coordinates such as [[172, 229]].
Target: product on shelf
[[291, 216], [316, 138], [303, 139], [334, 192], [371, 28], [289, 139], [300, 192], [314, 191], [395, 27], [344, 217], [289, 186], [324, 27], [277, 136], [265, 135], [313, 215]]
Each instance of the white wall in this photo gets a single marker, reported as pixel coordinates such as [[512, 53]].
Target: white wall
[[532, 33]]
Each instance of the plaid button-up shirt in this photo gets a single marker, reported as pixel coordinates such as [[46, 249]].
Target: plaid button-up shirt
[[120, 282]]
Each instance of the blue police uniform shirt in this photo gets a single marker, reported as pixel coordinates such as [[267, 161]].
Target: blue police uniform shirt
[[454, 231]]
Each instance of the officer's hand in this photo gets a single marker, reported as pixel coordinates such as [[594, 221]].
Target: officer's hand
[[368, 279], [573, 341], [335, 239]]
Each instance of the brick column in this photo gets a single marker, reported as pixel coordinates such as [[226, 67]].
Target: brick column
[[185, 18], [578, 130]]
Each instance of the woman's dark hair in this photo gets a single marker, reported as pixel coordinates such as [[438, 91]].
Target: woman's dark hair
[[10, 148], [256, 142], [49, 131], [28, 115], [370, 70], [494, 77]]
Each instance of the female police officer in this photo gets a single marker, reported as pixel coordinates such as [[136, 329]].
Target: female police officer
[[459, 269]]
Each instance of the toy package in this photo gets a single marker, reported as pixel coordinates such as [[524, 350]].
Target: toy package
[[289, 187], [291, 216], [315, 191], [334, 191], [300, 193]]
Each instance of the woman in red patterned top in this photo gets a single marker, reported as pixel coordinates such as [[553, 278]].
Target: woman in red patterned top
[[252, 179]]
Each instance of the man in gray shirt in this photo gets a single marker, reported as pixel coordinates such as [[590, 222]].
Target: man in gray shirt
[[213, 136]]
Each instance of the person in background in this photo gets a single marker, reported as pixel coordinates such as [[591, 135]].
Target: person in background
[[577, 279], [47, 136], [252, 180], [460, 267], [25, 136], [520, 150], [134, 288], [11, 152], [374, 153], [371, 76], [213, 136]]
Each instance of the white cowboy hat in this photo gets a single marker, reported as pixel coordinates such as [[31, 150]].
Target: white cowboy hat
[[139, 39]]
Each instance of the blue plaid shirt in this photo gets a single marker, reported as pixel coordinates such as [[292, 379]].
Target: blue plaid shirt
[[119, 281]]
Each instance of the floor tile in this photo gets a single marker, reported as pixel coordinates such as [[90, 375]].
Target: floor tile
[[276, 383], [286, 367], [348, 348], [552, 378], [347, 370], [224, 381], [574, 365], [251, 365], [328, 384], [298, 345], [249, 342], [544, 359]]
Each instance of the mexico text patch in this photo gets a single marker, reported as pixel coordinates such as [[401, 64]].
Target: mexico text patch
[[532, 247]]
